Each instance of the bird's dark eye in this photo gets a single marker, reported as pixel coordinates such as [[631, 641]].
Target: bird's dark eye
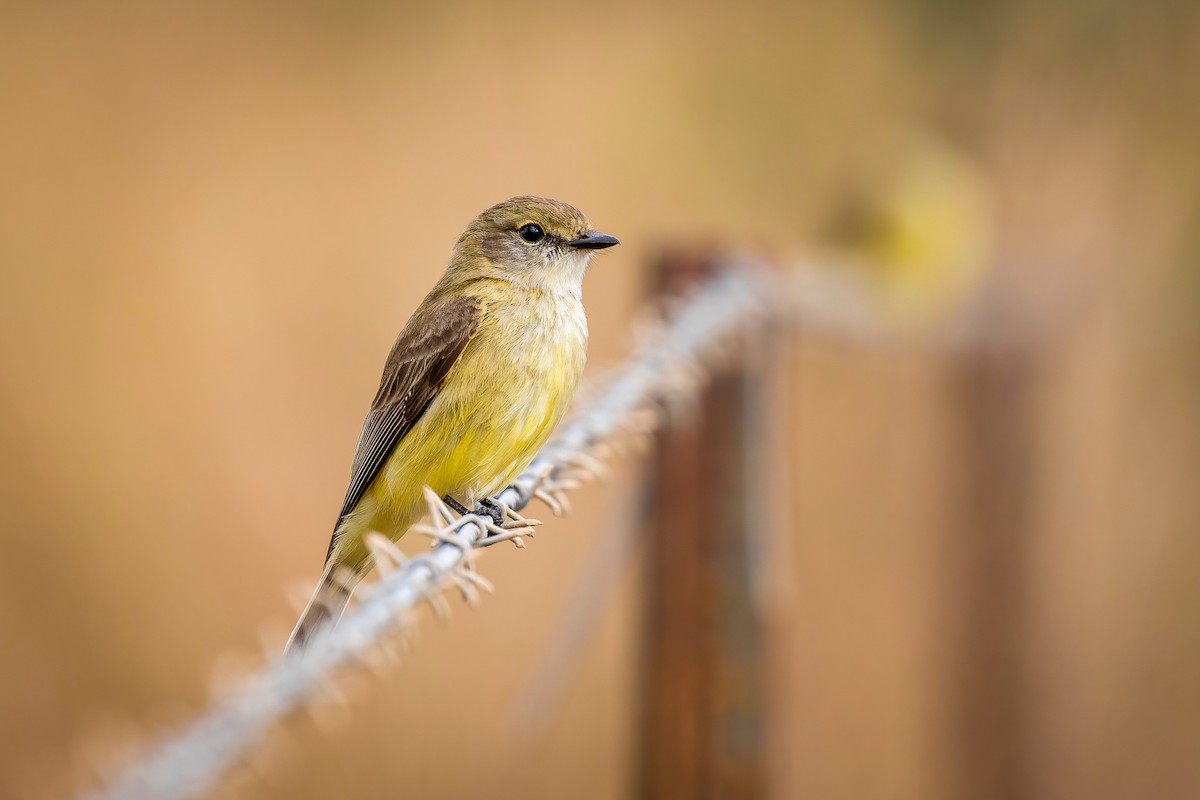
[[531, 232]]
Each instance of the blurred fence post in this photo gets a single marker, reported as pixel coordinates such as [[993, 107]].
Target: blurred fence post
[[991, 727], [702, 703]]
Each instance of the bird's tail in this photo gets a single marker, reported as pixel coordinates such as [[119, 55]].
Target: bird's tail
[[323, 610]]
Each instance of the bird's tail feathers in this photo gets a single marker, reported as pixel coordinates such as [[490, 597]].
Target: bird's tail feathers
[[324, 609]]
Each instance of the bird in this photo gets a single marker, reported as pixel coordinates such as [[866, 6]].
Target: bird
[[477, 380]]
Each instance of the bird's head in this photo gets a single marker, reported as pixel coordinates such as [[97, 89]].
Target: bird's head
[[531, 240]]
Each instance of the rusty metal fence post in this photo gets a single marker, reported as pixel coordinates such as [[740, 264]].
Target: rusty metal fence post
[[702, 703]]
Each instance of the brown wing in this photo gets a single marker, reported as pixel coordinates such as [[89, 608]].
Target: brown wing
[[426, 350]]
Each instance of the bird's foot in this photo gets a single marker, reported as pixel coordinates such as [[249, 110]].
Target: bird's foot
[[500, 523], [489, 507]]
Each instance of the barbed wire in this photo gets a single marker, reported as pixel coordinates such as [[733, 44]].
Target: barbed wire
[[667, 367]]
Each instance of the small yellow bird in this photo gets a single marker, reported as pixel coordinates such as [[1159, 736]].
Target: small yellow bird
[[474, 385]]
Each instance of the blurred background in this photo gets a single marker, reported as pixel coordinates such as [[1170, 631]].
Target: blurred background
[[214, 218]]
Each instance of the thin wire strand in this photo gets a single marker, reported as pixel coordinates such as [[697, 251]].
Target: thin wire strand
[[665, 367]]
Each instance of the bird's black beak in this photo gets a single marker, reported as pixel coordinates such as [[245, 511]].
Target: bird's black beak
[[593, 241]]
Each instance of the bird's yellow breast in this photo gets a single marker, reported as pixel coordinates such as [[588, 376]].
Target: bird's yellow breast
[[497, 407]]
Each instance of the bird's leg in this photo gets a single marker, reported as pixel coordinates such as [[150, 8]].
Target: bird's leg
[[487, 508], [458, 507]]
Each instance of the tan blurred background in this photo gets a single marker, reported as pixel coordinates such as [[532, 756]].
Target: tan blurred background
[[214, 219]]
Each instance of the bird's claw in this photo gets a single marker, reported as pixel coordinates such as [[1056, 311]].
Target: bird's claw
[[491, 508]]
